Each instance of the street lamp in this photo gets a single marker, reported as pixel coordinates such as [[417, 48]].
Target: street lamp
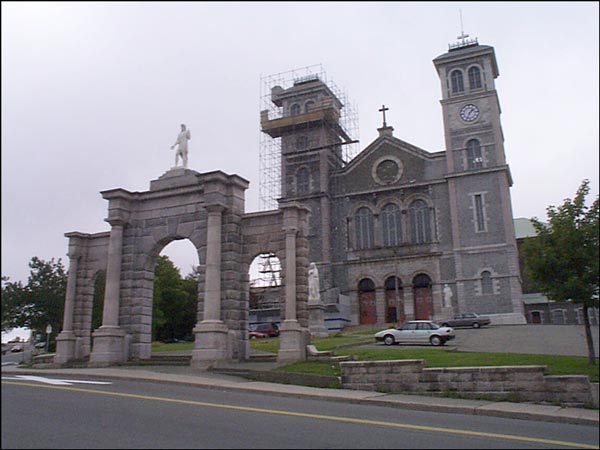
[[48, 332]]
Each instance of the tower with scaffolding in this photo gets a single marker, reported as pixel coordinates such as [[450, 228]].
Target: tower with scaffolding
[[323, 105], [309, 135]]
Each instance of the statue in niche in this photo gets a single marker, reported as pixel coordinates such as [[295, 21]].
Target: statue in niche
[[314, 295], [182, 150], [447, 296]]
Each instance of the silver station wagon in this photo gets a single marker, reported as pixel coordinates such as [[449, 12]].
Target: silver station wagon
[[416, 332]]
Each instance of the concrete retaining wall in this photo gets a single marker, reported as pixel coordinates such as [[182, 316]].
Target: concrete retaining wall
[[525, 383]]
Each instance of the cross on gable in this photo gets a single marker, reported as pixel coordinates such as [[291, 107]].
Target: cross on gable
[[383, 110]]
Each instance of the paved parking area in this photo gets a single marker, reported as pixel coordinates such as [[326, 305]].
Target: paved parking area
[[536, 339]]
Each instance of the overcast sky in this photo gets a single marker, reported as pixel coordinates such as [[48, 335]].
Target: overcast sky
[[93, 94]]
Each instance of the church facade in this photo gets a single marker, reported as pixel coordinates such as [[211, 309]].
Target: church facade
[[399, 232]]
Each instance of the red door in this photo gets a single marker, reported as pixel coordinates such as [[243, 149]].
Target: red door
[[536, 317], [394, 310], [368, 313], [423, 303]]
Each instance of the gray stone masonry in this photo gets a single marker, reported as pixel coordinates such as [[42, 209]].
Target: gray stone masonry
[[528, 383]]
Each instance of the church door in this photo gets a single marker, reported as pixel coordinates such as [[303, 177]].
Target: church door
[[366, 302], [423, 297]]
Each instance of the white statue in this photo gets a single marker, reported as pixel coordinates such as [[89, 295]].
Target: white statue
[[313, 283], [447, 296], [182, 140]]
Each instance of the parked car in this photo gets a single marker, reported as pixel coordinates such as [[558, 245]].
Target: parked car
[[256, 335], [466, 320], [16, 348], [417, 332], [270, 329], [40, 345]]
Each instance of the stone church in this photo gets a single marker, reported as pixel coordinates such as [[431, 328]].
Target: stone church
[[399, 232], [396, 233]]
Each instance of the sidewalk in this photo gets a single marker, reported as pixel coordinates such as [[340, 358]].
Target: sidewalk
[[196, 377]]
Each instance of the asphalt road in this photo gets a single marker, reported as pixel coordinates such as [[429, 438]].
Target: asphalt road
[[137, 414]]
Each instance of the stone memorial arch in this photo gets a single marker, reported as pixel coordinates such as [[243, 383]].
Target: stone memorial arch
[[208, 210]]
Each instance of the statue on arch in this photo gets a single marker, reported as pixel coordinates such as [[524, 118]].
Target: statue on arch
[[182, 141]]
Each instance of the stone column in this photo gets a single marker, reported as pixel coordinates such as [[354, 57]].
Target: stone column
[[109, 339], [66, 340], [211, 335], [292, 345]]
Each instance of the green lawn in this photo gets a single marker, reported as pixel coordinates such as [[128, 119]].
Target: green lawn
[[346, 344]]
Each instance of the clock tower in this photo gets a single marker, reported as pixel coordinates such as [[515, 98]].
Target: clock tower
[[478, 180]]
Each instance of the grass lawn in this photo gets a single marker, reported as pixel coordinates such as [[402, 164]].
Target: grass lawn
[[349, 344]]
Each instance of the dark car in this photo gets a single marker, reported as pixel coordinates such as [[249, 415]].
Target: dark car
[[465, 320], [256, 335], [270, 329], [17, 348]]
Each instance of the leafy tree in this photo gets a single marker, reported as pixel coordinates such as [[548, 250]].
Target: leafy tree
[[174, 302], [38, 303], [563, 258]]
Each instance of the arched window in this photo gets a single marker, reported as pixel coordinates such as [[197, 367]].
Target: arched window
[[392, 226], [295, 109], [474, 158], [456, 77], [474, 78], [420, 224], [366, 285], [309, 106], [302, 181], [486, 283], [363, 220]]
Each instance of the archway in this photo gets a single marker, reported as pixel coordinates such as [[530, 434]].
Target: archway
[[366, 301], [423, 297], [175, 293], [394, 300], [266, 291]]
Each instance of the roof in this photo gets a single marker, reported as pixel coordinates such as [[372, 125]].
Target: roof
[[524, 228]]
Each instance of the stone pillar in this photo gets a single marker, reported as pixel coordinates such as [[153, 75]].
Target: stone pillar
[[109, 339], [291, 337], [66, 340], [211, 335]]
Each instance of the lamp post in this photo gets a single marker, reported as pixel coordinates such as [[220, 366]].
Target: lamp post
[[48, 332]]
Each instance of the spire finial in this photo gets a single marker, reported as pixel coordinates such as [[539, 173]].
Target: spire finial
[[383, 110], [463, 41]]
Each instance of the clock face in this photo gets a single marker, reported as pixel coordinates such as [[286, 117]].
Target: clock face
[[469, 113]]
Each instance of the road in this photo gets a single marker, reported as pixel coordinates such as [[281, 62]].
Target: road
[[125, 414]]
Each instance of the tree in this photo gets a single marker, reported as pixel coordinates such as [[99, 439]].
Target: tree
[[563, 258], [40, 302], [174, 302]]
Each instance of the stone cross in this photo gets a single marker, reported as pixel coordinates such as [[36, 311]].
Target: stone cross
[[383, 110]]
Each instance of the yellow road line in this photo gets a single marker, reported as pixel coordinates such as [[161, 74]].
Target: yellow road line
[[315, 416]]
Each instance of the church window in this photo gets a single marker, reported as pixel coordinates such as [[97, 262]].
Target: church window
[[456, 77], [295, 109], [309, 106], [486, 282], [302, 181], [420, 223], [474, 158], [479, 207], [364, 228], [474, 78], [392, 227]]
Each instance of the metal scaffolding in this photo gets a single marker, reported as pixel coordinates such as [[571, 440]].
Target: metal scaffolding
[[270, 148]]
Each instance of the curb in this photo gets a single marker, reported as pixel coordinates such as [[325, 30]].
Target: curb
[[526, 411]]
